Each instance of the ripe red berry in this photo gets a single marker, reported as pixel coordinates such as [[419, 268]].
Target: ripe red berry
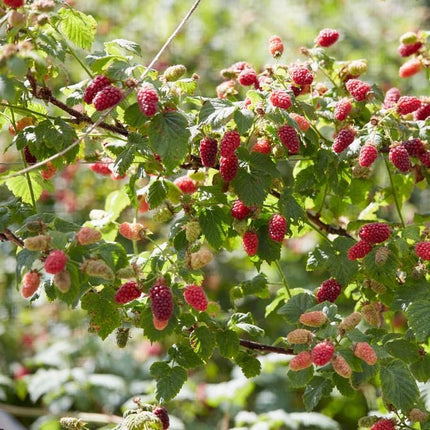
[[277, 228], [313, 318], [414, 147], [322, 353], [239, 210], [106, 98], [127, 292], [186, 184], [30, 283], [228, 167], [208, 151], [399, 156], [280, 99], [368, 155], [250, 243], [131, 231], [359, 250], [425, 158], [364, 351], [329, 290], [327, 37], [301, 121], [301, 361], [376, 232], [196, 297], [301, 75], [161, 302], [408, 104], [229, 143], [391, 98], [342, 109], [102, 167], [422, 249], [161, 413], [248, 77], [407, 50], [96, 85], [276, 47], [410, 68], [289, 138], [29, 157], [383, 425], [262, 146], [422, 113], [147, 99], [358, 89], [14, 3], [343, 139], [55, 262]]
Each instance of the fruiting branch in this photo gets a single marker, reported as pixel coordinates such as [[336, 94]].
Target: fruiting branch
[[7, 236], [265, 348]]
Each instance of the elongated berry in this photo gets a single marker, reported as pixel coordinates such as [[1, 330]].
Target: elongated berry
[[96, 85], [342, 109], [262, 146], [322, 353], [364, 351], [276, 47], [250, 243], [196, 297], [410, 68], [30, 284], [280, 99], [208, 151], [368, 155], [313, 318], [186, 184], [228, 167], [301, 361], [127, 292], [299, 336], [288, 137], [161, 303], [106, 98], [229, 143], [343, 139], [391, 98], [248, 77], [131, 231], [350, 322], [63, 281], [40, 242], [161, 413], [376, 232], [277, 228], [327, 37], [358, 89], [147, 99], [422, 113], [329, 290], [239, 210], [301, 75], [422, 250], [408, 104], [359, 250], [399, 156], [408, 50], [98, 269], [88, 235], [301, 121], [55, 262], [341, 366]]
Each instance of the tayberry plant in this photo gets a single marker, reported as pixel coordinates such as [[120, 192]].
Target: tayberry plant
[[306, 151]]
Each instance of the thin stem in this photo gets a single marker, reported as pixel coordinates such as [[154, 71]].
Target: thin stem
[[284, 280], [22, 108], [108, 111], [396, 200], [161, 250], [265, 348], [30, 184]]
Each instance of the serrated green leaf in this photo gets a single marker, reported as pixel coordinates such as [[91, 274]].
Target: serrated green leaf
[[117, 46], [401, 348], [251, 188], [249, 365], [203, 342], [169, 380], [25, 260], [20, 188], [211, 223], [169, 134], [228, 343], [185, 356], [344, 386], [7, 88], [296, 306], [103, 310], [257, 286], [134, 117], [244, 119], [115, 203], [268, 249], [290, 208], [113, 254], [78, 27], [245, 322], [418, 314], [421, 369], [157, 193], [124, 160], [398, 385], [216, 112], [149, 331], [300, 378], [315, 390]]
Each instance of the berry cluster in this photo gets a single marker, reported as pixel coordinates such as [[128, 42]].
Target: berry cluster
[[102, 94], [370, 234], [161, 305]]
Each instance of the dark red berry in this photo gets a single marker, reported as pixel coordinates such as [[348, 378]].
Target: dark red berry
[[422, 113], [342, 109], [277, 228], [329, 290], [408, 104], [414, 147], [301, 75], [239, 210], [248, 77], [161, 413], [14, 3], [368, 155], [343, 139], [407, 50], [399, 156], [289, 138], [161, 302], [376, 232], [228, 167], [147, 99], [106, 98], [208, 151], [280, 99], [96, 85], [391, 98], [250, 242], [425, 158], [127, 292], [229, 143], [358, 89], [29, 157], [422, 249], [359, 250]]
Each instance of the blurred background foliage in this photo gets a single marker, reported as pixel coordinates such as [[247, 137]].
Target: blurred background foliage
[[50, 365]]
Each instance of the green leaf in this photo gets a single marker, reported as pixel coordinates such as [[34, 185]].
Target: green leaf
[[418, 314], [169, 134], [249, 365], [245, 322], [169, 380], [290, 208], [78, 27], [315, 390], [251, 188], [398, 385], [300, 378], [343, 385], [117, 46], [296, 306], [149, 331], [113, 254], [103, 310], [124, 160], [157, 193], [244, 119], [19, 186], [211, 223], [25, 260], [257, 286], [268, 249], [216, 112], [421, 369], [185, 356], [7, 89], [134, 117], [115, 203], [228, 343], [401, 348], [203, 342]]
